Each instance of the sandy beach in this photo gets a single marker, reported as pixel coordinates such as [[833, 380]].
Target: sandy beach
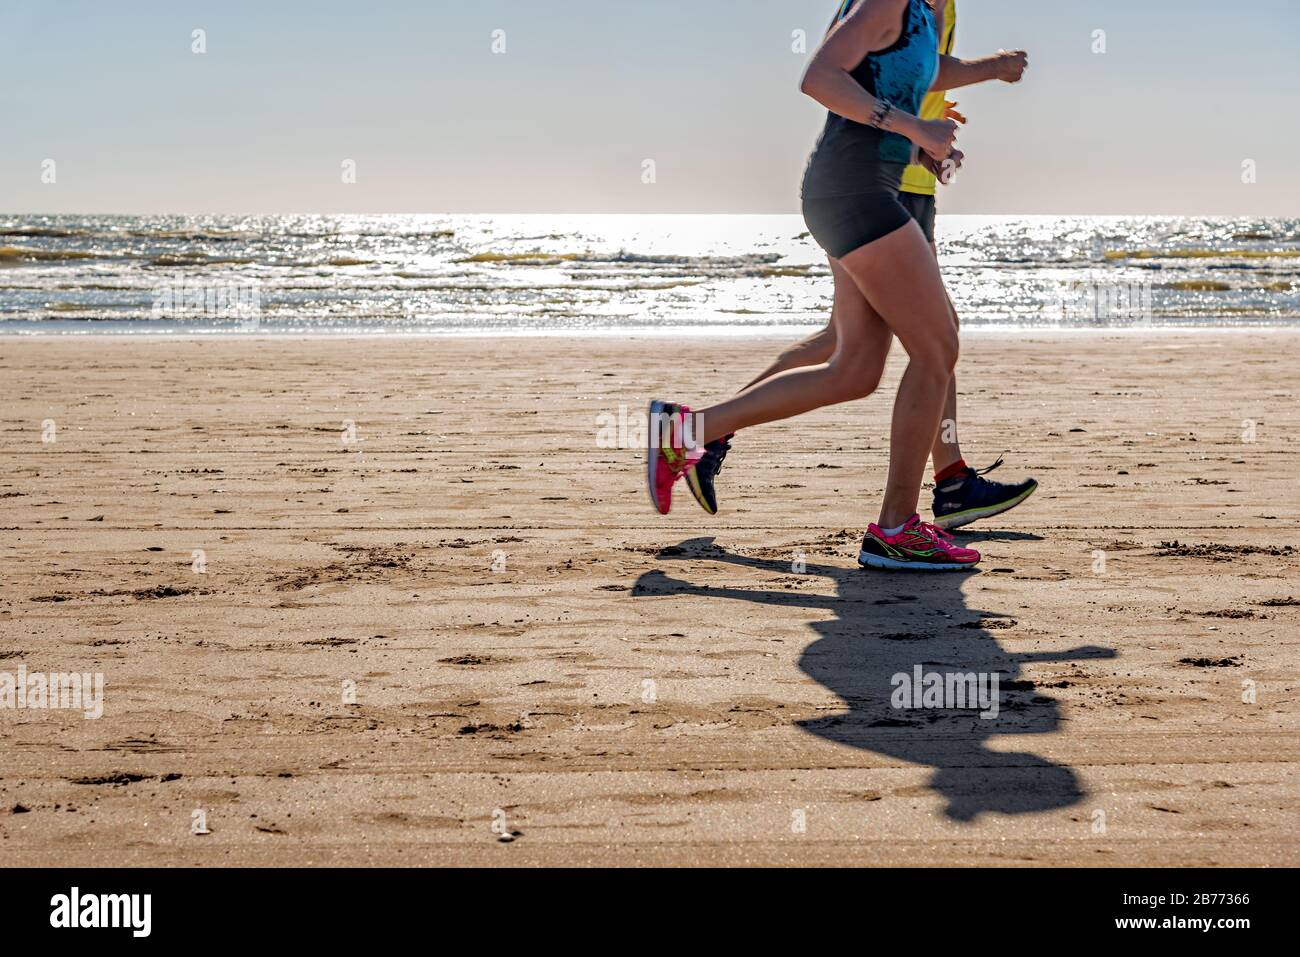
[[391, 601]]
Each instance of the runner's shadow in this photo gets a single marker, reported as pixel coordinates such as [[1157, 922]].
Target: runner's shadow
[[887, 625]]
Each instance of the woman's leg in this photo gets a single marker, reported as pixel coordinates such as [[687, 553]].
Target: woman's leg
[[852, 372], [900, 278], [820, 346]]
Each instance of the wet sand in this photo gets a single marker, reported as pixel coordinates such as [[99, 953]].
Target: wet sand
[[461, 621]]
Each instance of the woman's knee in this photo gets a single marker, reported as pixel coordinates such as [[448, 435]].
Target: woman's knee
[[950, 345], [857, 374], [939, 352]]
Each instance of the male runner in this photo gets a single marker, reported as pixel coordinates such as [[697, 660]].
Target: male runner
[[962, 495]]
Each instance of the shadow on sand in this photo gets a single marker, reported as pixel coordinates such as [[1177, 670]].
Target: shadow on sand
[[887, 624]]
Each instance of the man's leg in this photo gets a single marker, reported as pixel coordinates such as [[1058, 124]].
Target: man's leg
[[962, 495], [946, 455], [813, 351]]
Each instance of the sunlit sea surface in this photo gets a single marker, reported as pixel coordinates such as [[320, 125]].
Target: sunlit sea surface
[[294, 275]]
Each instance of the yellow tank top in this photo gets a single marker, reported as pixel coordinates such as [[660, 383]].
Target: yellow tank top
[[918, 179]]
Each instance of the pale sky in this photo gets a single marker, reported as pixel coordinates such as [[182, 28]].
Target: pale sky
[[586, 90]]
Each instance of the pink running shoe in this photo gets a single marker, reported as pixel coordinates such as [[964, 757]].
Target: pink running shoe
[[920, 547], [668, 456]]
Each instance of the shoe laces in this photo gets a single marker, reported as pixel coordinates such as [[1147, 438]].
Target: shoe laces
[[720, 455], [986, 471], [934, 532]]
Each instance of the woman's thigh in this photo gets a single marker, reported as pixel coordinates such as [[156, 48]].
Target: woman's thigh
[[859, 329], [899, 278]]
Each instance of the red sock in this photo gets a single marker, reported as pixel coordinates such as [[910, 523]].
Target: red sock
[[952, 471]]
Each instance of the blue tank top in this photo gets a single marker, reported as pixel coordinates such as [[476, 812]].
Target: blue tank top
[[901, 74]]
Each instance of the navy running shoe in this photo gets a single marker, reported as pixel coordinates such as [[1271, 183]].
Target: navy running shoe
[[700, 479], [968, 496]]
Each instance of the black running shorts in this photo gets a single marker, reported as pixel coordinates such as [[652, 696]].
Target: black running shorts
[[921, 208], [841, 224]]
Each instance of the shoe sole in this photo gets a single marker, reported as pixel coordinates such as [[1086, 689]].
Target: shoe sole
[[961, 519], [693, 483], [652, 456], [894, 565]]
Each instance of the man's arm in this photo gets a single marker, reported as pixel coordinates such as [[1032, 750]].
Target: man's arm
[[1008, 67]]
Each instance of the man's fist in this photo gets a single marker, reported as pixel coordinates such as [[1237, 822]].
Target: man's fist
[[1012, 65]]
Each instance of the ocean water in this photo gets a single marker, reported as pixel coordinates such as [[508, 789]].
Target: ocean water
[[294, 275]]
